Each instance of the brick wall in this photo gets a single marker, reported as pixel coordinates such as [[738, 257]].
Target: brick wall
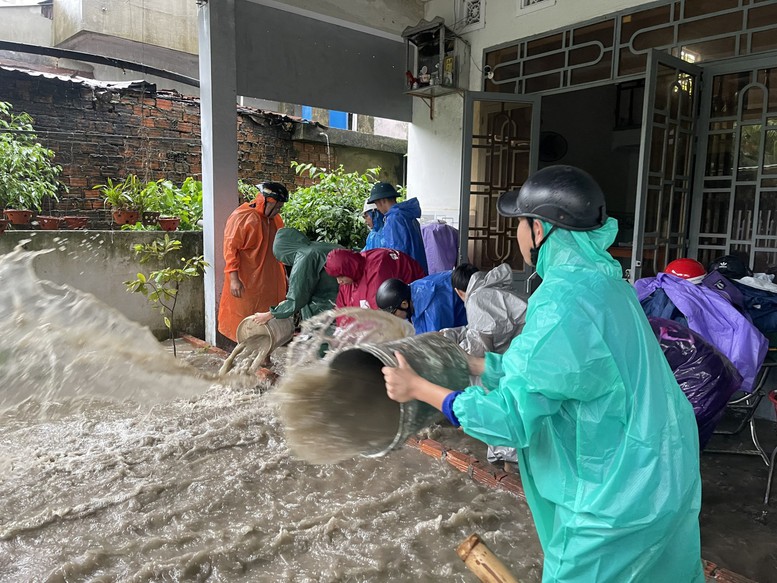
[[99, 134]]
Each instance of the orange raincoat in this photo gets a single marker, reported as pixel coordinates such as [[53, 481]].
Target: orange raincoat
[[248, 239]]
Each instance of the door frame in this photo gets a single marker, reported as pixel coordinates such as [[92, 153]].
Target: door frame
[[711, 70], [470, 97], [656, 59]]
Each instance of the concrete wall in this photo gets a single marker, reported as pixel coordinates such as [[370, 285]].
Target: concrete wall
[[25, 24], [163, 23], [434, 158], [98, 262]]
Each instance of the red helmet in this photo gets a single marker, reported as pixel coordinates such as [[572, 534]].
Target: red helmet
[[686, 269]]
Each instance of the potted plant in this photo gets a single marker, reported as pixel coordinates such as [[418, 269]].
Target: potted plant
[[123, 198], [49, 223], [169, 223], [150, 203], [28, 174]]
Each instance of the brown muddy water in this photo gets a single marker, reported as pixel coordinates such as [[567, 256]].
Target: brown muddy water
[[119, 464]]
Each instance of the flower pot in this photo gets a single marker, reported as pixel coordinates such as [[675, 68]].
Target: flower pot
[[125, 217], [75, 222], [3, 225], [169, 223], [149, 218], [17, 217], [49, 223]]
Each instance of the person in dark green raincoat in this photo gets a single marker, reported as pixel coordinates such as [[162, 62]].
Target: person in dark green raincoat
[[607, 443], [311, 289]]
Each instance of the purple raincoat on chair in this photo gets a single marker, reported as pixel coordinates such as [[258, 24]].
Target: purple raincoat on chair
[[705, 376], [715, 320], [441, 243]]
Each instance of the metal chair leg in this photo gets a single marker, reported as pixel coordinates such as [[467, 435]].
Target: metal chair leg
[[771, 475]]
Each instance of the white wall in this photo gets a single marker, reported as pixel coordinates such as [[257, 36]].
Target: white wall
[[434, 157], [434, 147]]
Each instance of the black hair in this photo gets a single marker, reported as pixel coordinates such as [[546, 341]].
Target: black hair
[[461, 275]]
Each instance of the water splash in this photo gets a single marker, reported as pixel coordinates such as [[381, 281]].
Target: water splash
[[63, 345]]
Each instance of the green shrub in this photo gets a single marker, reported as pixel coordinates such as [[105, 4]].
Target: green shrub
[[331, 209], [27, 171]]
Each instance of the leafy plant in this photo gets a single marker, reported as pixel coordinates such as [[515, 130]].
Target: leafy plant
[[247, 191], [27, 171], [124, 195], [160, 287], [183, 201], [331, 208]]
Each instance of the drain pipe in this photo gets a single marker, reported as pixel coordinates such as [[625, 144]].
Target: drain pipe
[[328, 154]]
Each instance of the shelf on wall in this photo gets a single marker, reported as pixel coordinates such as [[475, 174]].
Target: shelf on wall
[[427, 94]]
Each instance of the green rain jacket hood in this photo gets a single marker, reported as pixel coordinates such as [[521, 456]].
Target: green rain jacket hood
[[607, 442], [311, 289]]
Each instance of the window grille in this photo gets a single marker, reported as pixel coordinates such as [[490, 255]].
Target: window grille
[[472, 15], [530, 5]]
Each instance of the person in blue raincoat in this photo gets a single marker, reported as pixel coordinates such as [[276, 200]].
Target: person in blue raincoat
[[607, 443], [374, 221], [430, 303], [401, 229]]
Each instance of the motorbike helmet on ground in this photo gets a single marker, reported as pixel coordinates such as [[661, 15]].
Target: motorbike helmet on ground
[[381, 190], [391, 294], [274, 190], [564, 196], [730, 266], [686, 268]]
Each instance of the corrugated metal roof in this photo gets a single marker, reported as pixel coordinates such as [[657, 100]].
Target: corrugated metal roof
[[84, 80]]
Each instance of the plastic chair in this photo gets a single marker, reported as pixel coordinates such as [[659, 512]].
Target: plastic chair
[[773, 399]]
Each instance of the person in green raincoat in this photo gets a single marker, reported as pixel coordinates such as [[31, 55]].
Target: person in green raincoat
[[311, 289], [607, 442]]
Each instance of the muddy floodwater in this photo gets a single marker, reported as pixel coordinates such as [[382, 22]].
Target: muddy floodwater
[[119, 464]]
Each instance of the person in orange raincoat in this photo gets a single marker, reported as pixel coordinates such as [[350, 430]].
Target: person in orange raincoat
[[254, 280]]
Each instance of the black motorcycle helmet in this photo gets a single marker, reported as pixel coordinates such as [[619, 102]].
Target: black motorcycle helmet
[[274, 190], [391, 294], [730, 266], [564, 196]]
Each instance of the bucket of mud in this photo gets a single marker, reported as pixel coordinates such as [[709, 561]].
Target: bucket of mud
[[340, 409], [258, 341]]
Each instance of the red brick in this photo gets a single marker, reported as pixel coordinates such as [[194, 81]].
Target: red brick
[[432, 448]]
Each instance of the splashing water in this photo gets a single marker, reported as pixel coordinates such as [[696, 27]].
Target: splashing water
[[157, 475], [60, 344]]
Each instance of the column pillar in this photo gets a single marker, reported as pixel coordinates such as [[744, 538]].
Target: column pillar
[[218, 119]]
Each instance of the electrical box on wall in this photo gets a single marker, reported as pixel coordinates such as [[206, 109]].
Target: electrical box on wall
[[437, 59]]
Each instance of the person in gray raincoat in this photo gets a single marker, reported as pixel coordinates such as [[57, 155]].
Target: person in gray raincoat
[[495, 314], [311, 289]]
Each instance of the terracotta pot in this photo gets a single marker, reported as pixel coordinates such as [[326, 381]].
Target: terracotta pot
[[169, 223], [149, 218], [49, 223], [17, 217], [3, 225], [75, 222], [125, 217]]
